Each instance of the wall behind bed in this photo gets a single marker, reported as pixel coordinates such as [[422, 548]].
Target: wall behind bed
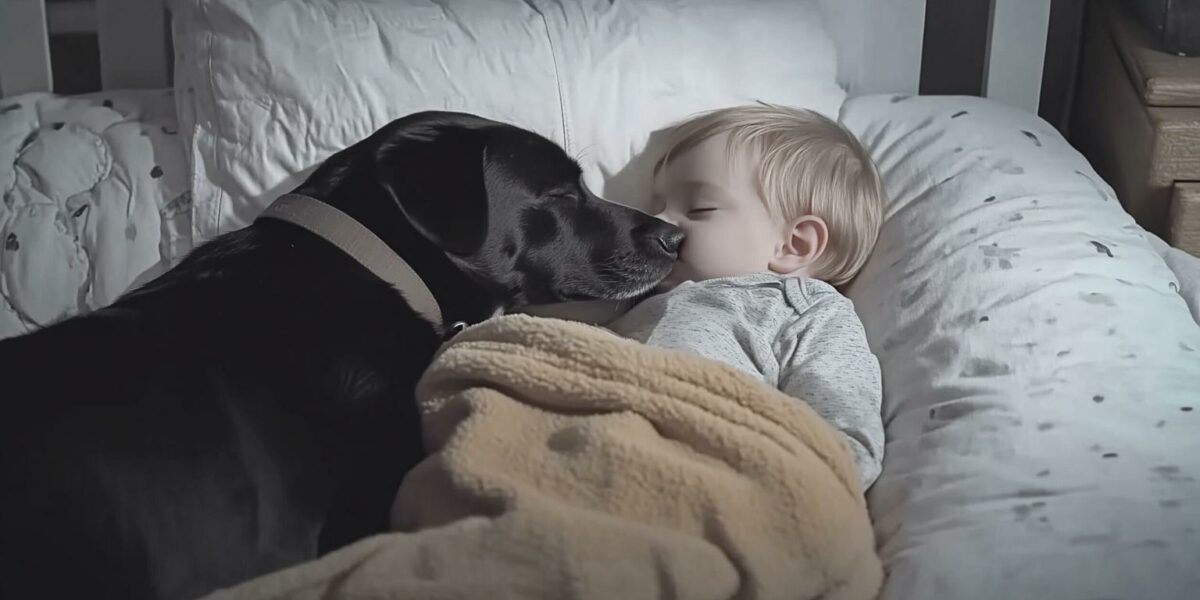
[[80, 46]]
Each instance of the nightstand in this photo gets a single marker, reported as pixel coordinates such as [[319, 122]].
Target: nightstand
[[1137, 119]]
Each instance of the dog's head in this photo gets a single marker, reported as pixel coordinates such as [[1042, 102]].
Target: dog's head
[[509, 209]]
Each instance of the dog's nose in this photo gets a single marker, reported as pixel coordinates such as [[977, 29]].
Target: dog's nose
[[671, 240], [661, 234]]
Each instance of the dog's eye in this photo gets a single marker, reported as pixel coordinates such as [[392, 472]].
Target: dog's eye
[[568, 201], [565, 197]]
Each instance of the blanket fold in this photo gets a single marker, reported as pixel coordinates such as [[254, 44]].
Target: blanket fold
[[566, 462]]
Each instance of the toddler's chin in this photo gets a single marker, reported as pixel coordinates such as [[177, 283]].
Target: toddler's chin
[[676, 277], [666, 286]]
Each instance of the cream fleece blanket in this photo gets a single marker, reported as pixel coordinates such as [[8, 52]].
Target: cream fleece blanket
[[566, 462]]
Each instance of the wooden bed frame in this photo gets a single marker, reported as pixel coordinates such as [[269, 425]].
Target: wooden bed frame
[[134, 37], [879, 43]]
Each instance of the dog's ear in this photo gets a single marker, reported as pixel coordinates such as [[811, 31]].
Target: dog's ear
[[432, 163]]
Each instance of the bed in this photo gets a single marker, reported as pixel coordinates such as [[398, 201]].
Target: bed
[[1040, 351]]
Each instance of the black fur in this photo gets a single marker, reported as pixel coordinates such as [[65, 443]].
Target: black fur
[[252, 408]]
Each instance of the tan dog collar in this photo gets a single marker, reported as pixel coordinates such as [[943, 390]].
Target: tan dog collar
[[362, 245]]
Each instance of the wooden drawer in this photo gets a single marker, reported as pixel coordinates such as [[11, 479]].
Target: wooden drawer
[[1140, 149], [1184, 229]]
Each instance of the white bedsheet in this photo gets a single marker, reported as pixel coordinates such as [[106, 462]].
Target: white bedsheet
[[95, 200]]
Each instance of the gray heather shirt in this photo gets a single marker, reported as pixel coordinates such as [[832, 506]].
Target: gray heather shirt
[[797, 334]]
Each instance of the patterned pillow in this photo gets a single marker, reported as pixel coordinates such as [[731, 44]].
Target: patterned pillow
[[1041, 371]]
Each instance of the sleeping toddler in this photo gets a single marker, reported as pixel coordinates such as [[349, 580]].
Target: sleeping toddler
[[779, 205]]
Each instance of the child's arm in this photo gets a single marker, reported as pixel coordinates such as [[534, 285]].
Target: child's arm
[[830, 367]]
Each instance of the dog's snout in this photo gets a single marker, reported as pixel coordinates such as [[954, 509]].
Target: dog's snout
[[662, 235], [671, 240]]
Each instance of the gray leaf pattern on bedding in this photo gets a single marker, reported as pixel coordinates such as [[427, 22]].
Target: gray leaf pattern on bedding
[[1037, 392]]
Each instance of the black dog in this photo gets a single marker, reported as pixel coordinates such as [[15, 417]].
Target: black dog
[[253, 407]]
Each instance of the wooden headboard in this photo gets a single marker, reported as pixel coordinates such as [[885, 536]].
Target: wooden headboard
[[879, 43]]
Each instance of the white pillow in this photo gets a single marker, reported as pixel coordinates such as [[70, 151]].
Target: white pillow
[[1041, 372], [268, 89]]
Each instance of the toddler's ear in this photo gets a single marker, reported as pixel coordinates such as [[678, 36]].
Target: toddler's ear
[[804, 242]]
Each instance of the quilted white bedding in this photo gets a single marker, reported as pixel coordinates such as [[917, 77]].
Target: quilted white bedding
[[96, 199]]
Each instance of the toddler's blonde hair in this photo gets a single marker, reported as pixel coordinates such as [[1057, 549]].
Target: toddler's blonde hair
[[807, 165]]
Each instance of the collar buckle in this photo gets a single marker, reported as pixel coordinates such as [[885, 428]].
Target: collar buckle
[[454, 329]]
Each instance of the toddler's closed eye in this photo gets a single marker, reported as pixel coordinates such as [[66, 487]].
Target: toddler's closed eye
[[700, 211]]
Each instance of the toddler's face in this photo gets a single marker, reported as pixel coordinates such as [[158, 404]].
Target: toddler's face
[[711, 195]]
